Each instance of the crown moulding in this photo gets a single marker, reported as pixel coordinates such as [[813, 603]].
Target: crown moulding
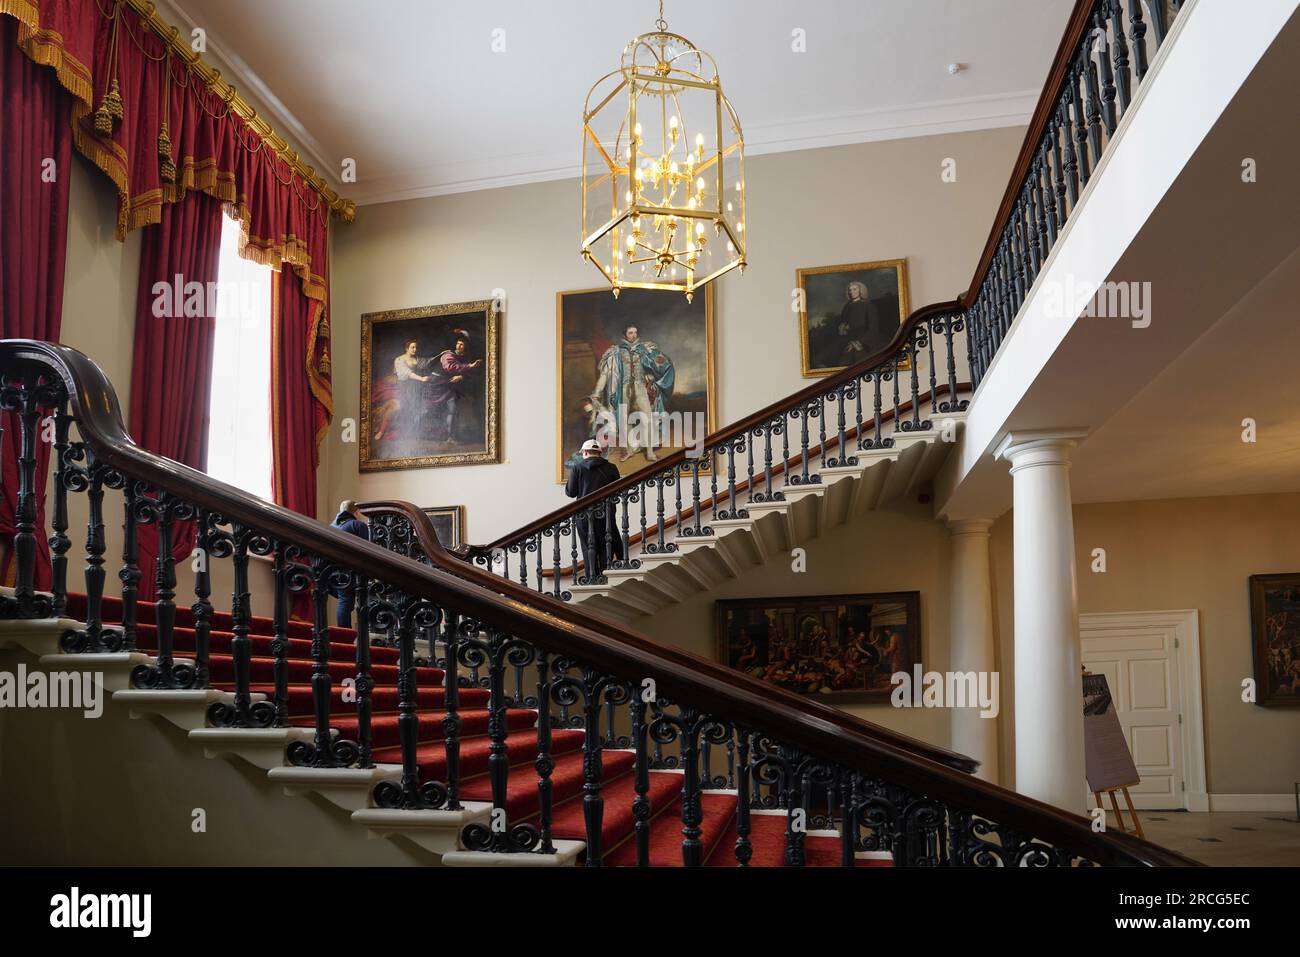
[[345, 209]]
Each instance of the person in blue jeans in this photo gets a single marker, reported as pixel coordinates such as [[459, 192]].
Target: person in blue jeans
[[350, 520]]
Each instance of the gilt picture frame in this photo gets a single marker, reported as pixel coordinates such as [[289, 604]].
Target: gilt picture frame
[[448, 524], [1275, 638], [841, 648], [839, 325], [443, 408], [674, 346]]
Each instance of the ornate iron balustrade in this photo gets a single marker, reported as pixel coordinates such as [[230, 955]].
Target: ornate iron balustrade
[[722, 729], [1104, 55], [1102, 60]]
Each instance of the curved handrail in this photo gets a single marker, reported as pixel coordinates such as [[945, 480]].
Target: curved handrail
[[808, 725], [726, 434]]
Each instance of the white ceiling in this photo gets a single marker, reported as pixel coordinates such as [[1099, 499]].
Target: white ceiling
[[412, 90]]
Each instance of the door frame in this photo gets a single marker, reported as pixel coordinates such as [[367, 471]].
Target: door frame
[[1187, 659]]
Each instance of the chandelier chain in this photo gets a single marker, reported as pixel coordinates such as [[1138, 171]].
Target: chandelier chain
[[661, 24]]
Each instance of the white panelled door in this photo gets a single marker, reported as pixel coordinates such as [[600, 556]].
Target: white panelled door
[[1139, 655]]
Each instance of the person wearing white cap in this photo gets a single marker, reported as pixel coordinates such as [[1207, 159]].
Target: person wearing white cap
[[597, 524]]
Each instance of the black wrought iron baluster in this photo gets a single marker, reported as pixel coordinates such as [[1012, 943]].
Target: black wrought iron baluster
[[523, 561], [537, 547], [857, 411], [451, 707], [1050, 222], [1059, 208], [556, 532], [692, 847], [1040, 213], [59, 541], [878, 410], [1036, 251], [1120, 45], [767, 460], [1068, 143], [643, 491], [624, 529], [201, 610], [934, 369], [951, 404], [847, 828], [679, 476], [749, 452], [743, 850], [784, 428], [895, 369], [493, 648], [641, 809], [713, 480], [697, 527], [90, 479], [322, 682], [1080, 126], [819, 407], [1092, 105], [280, 637], [164, 608], [841, 430], [573, 552], [915, 341], [407, 622], [544, 764], [1106, 77], [731, 480], [803, 414], [1137, 33], [365, 682], [22, 399]]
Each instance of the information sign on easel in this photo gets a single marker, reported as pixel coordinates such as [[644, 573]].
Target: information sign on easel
[[1108, 763]]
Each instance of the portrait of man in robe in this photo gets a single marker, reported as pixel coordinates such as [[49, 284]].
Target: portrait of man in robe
[[429, 387], [635, 374], [849, 313]]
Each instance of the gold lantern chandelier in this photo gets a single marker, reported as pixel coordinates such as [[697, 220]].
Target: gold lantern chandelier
[[663, 169]]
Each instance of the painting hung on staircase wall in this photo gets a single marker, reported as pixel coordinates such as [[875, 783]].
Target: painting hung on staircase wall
[[1275, 629], [635, 374], [849, 312], [835, 647], [429, 386]]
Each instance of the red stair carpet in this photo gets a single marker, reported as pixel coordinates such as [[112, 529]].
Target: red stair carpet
[[718, 824]]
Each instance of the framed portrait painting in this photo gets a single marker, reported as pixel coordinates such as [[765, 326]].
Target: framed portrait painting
[[635, 373], [833, 647], [448, 523], [430, 392], [1275, 638], [849, 312]]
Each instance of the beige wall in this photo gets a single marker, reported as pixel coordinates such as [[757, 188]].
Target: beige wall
[[1185, 553], [816, 207]]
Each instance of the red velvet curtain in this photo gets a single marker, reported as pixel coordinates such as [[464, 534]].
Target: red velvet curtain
[[168, 136], [171, 370], [35, 156]]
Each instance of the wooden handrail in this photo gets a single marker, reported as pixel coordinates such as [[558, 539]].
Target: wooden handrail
[[715, 689]]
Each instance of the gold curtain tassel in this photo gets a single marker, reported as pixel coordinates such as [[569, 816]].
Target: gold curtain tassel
[[166, 168], [113, 102]]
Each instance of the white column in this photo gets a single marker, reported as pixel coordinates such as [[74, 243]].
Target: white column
[[970, 612], [1049, 692]]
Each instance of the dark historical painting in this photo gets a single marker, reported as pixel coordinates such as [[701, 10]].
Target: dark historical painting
[[849, 312], [635, 373], [448, 524], [429, 387], [1275, 632], [843, 647]]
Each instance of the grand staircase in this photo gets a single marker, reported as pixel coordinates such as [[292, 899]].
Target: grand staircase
[[481, 710]]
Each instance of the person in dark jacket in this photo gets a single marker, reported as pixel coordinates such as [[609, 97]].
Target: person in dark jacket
[[597, 525], [350, 520]]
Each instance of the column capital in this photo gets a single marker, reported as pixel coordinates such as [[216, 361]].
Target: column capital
[[1038, 446], [958, 527]]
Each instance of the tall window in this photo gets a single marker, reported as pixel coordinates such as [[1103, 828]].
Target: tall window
[[239, 413]]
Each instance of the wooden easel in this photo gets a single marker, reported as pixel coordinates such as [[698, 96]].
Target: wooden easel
[[1119, 818]]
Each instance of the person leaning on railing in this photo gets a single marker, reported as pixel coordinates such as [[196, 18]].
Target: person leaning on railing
[[595, 472], [350, 520]]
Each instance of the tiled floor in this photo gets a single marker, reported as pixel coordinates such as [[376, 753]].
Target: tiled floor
[[1224, 839]]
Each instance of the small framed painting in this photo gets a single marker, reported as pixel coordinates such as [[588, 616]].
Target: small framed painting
[[849, 313], [833, 647], [449, 524], [1275, 638], [430, 391]]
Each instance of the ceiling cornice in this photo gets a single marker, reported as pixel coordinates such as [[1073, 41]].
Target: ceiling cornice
[[812, 132], [222, 56]]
